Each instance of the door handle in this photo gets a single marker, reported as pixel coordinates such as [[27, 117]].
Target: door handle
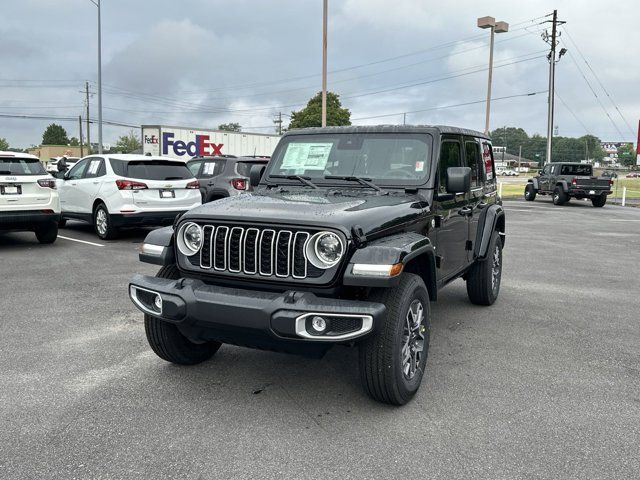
[[465, 211], [481, 205], [96, 183]]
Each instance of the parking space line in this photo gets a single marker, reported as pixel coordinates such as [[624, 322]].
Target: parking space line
[[81, 241]]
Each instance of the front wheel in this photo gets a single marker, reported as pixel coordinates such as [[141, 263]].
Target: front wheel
[[483, 279], [599, 201], [392, 360], [529, 192], [103, 224], [47, 233], [168, 342]]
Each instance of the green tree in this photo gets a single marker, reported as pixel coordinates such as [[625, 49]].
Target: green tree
[[627, 154], [55, 135], [128, 143], [511, 137], [74, 142], [311, 115], [4, 145], [230, 127]]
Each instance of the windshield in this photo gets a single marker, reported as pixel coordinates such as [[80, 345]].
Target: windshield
[[390, 158], [151, 169], [21, 166], [576, 170], [244, 168]]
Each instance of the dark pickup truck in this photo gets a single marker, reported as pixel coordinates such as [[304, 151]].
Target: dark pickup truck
[[569, 180]]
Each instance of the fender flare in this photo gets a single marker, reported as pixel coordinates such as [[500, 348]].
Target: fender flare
[[564, 185], [161, 237], [399, 248], [492, 218], [536, 185]]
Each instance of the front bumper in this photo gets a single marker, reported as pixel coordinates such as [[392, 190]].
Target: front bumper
[[259, 319], [26, 219]]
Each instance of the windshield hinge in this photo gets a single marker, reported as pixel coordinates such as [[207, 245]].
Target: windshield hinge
[[359, 238]]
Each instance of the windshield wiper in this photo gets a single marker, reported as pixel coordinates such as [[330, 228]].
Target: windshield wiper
[[5, 172], [300, 178], [362, 181]]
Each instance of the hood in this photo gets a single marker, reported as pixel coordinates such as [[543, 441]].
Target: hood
[[321, 208]]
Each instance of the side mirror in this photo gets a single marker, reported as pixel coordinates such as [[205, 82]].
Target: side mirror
[[255, 174], [458, 180]]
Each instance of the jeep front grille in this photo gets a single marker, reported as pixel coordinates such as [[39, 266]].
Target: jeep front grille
[[255, 251]]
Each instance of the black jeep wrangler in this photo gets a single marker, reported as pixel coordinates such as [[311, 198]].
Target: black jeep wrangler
[[565, 181], [347, 237]]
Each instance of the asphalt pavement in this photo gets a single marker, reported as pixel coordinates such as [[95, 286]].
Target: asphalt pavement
[[544, 384]]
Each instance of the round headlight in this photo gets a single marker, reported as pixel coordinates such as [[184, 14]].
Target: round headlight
[[325, 249], [189, 239]]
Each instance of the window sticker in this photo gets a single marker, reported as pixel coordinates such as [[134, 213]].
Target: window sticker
[[209, 168], [486, 156], [93, 167], [306, 156], [419, 166]]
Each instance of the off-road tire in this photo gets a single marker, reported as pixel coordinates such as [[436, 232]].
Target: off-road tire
[[166, 340], [110, 232], [47, 233], [599, 201], [529, 192], [380, 354], [481, 288], [559, 197]]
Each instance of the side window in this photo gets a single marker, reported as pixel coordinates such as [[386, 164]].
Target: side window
[[78, 169], [450, 156], [194, 167], [547, 169], [94, 167], [473, 160]]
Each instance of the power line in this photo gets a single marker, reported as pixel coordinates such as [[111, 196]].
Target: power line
[[598, 80], [573, 113]]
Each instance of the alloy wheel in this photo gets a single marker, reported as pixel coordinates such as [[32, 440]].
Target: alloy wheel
[[101, 221], [413, 339], [495, 269]]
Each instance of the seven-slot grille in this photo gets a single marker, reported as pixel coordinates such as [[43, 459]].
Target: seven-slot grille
[[255, 251]]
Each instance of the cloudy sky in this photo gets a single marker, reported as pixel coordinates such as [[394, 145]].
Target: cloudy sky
[[200, 63]]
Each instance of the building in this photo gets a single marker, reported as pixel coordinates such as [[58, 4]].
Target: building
[[504, 160], [46, 152]]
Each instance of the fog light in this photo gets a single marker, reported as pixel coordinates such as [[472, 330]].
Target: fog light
[[319, 324], [158, 302]]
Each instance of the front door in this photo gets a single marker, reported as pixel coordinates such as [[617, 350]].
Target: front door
[[453, 230], [478, 195], [545, 178], [69, 194]]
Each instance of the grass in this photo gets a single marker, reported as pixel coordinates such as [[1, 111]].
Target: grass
[[516, 190]]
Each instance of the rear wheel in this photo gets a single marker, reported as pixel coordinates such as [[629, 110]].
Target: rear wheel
[[559, 197], [103, 224], [484, 277], [168, 342], [529, 192], [392, 360], [47, 233], [599, 201]]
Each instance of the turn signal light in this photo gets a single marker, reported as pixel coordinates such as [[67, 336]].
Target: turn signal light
[[130, 185], [239, 183], [193, 185]]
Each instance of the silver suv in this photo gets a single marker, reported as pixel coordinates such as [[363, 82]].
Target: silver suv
[[224, 176]]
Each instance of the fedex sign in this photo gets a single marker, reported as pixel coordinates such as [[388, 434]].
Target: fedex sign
[[200, 146]]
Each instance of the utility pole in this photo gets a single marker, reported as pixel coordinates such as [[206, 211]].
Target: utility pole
[[86, 87], [278, 122], [519, 157], [80, 130], [404, 118], [99, 80], [552, 40], [325, 8]]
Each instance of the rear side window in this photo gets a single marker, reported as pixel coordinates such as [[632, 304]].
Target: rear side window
[[151, 169], [474, 162], [213, 168], [244, 168], [450, 156], [194, 167], [21, 166], [487, 160], [576, 170]]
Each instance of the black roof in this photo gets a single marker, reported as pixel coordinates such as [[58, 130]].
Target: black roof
[[388, 129]]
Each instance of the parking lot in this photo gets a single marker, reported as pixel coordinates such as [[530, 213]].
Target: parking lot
[[544, 384]]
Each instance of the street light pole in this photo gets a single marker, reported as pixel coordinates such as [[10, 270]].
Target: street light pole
[[496, 27], [325, 8]]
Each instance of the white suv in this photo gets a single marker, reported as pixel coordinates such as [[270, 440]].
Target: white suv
[[28, 197], [116, 191]]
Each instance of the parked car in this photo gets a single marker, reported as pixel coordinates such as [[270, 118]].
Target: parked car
[[632, 175], [609, 174], [222, 177], [52, 164], [508, 173], [346, 239], [118, 191], [569, 180], [28, 197]]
